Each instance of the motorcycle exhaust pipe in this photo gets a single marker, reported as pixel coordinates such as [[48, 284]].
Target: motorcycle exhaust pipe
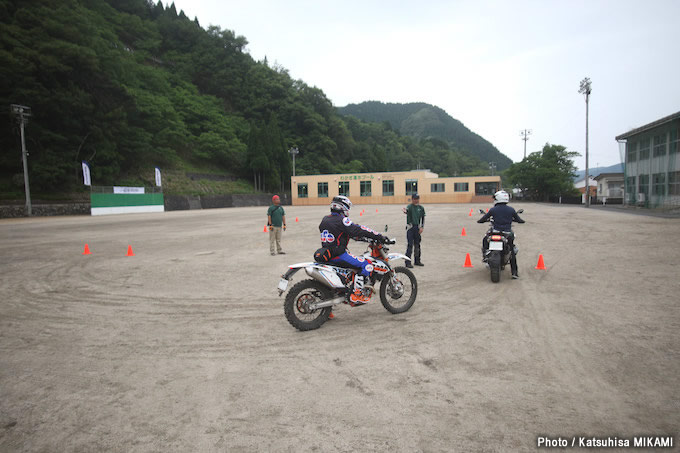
[[327, 303]]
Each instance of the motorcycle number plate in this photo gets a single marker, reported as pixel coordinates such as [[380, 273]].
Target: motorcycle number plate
[[495, 245], [283, 284]]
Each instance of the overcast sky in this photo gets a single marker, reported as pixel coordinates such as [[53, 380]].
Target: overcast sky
[[497, 66]]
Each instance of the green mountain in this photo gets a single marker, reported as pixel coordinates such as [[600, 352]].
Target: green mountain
[[424, 121], [128, 85]]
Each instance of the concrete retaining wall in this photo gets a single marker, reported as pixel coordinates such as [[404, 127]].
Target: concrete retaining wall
[[42, 210], [181, 202], [171, 202]]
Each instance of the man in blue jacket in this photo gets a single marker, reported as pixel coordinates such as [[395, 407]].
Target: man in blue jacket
[[502, 216]]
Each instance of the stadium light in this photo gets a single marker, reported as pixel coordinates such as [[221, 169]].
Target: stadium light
[[22, 113], [585, 90], [525, 136], [293, 152]]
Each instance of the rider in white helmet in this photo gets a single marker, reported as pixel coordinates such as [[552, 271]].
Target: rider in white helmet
[[502, 217]]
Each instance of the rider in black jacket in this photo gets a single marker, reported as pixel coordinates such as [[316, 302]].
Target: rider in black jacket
[[502, 217], [336, 230]]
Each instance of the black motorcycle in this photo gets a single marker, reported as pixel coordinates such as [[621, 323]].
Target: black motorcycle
[[498, 254]]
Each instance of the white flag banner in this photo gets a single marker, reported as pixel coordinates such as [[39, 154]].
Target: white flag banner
[[120, 189], [158, 176], [87, 179]]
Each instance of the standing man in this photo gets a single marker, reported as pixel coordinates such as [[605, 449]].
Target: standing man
[[415, 222], [276, 219]]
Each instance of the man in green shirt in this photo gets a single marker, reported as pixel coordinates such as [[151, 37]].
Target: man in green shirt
[[415, 222], [276, 219]]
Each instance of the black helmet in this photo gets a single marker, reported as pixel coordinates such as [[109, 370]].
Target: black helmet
[[415, 196], [341, 204]]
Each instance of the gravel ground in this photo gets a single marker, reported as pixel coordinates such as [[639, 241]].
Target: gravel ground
[[184, 347]]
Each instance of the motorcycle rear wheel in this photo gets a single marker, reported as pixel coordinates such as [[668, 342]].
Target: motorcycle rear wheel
[[390, 295], [299, 296], [495, 267]]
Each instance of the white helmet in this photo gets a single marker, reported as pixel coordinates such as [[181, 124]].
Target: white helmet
[[501, 197], [341, 204]]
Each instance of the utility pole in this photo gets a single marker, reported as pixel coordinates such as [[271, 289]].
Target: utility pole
[[525, 136], [22, 113], [492, 167], [585, 90], [293, 152]]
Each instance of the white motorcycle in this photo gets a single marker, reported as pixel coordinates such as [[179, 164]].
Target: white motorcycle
[[309, 303]]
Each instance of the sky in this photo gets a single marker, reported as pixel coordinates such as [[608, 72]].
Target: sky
[[497, 66]]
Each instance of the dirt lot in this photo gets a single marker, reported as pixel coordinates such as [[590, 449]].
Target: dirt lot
[[184, 347]]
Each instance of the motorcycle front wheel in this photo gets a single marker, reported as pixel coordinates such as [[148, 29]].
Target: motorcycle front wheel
[[297, 302], [398, 291]]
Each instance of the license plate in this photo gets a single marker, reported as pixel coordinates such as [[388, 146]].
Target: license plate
[[495, 245], [283, 284]]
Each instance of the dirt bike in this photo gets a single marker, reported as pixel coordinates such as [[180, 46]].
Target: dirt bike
[[309, 302], [498, 254]]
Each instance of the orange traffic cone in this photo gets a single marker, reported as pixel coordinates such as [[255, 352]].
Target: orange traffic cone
[[462, 233], [87, 250], [468, 262], [487, 210], [470, 215], [540, 265], [376, 210], [361, 213], [296, 219], [130, 252], [265, 229]]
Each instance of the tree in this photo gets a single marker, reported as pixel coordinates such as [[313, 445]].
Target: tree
[[545, 173]]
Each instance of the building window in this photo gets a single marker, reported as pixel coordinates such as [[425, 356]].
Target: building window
[[302, 191], [644, 149], [675, 142], [659, 145], [437, 187], [485, 188], [388, 188], [644, 184], [343, 188], [322, 188], [411, 186], [674, 183], [659, 184], [632, 151], [365, 188], [460, 187]]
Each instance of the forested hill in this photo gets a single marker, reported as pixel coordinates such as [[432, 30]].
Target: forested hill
[[128, 85], [422, 121]]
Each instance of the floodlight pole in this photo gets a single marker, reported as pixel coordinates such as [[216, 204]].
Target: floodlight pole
[[585, 90], [293, 152], [22, 112], [525, 136], [492, 167]]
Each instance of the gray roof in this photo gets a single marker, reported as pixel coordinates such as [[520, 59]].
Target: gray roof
[[608, 175], [652, 125]]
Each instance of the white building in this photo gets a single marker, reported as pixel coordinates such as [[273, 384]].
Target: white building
[[609, 185]]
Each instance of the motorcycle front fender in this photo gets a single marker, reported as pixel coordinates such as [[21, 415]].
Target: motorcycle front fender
[[396, 256]]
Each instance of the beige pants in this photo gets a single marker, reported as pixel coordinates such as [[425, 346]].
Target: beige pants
[[275, 238]]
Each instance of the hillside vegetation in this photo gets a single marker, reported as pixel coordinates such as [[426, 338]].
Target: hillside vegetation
[[128, 85], [423, 122]]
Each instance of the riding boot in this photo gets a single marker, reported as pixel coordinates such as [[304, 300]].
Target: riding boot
[[358, 297]]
